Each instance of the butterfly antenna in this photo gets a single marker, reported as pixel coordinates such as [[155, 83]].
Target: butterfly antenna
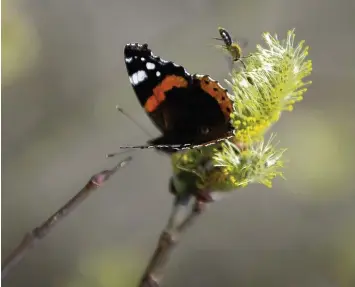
[[171, 146], [117, 153], [122, 111], [177, 146]]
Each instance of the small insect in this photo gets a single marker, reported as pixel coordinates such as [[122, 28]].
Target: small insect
[[233, 48]]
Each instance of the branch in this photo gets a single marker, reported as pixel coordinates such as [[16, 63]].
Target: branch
[[38, 233], [176, 227]]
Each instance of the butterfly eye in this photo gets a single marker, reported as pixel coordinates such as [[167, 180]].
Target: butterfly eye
[[205, 130]]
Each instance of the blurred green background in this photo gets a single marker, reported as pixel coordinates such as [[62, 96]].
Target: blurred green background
[[63, 74]]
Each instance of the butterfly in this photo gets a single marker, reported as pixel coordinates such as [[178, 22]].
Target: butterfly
[[191, 111]]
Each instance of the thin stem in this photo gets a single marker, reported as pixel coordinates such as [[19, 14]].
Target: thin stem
[[38, 233], [168, 240]]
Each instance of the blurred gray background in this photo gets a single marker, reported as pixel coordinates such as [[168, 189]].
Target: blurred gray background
[[59, 120]]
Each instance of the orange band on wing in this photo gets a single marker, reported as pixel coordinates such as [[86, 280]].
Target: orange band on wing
[[159, 91], [216, 91]]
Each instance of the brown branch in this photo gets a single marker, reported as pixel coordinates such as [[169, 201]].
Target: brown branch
[[168, 240], [38, 233]]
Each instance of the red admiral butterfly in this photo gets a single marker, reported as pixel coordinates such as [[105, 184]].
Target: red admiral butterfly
[[190, 110]]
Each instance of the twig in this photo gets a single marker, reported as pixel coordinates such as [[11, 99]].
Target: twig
[[38, 233], [168, 240]]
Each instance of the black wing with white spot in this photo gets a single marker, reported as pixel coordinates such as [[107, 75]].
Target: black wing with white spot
[[146, 71]]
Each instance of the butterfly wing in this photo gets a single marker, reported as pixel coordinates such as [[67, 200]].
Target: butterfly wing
[[152, 78], [201, 113]]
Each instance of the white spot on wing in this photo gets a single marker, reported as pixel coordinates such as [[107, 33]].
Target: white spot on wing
[[128, 60], [150, 66], [158, 74], [142, 59], [138, 77]]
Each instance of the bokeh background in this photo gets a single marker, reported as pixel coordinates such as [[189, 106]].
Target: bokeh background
[[63, 74]]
